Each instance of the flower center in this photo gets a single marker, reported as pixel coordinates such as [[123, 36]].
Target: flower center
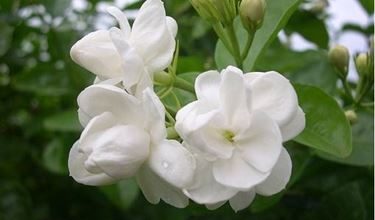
[[229, 135]]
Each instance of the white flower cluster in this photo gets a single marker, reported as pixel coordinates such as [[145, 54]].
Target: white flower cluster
[[232, 135]]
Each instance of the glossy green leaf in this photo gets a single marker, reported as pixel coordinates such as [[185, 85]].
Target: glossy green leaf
[[368, 5], [310, 67], [310, 27], [66, 121], [327, 128], [363, 142], [277, 15], [122, 194]]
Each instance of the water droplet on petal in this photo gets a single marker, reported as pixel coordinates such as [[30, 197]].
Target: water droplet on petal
[[165, 164]]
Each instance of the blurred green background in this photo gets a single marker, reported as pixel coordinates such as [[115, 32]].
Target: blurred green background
[[39, 85]]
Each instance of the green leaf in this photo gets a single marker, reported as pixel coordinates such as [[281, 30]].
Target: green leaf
[[368, 5], [66, 121], [327, 128], [277, 15], [122, 194], [363, 142], [310, 27], [309, 67], [55, 157]]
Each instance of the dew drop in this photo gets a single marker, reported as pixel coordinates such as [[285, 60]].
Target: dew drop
[[165, 164]]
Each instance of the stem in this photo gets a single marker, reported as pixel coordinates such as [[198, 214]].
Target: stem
[[170, 110], [178, 103], [166, 92], [236, 48], [171, 133], [359, 87], [218, 28], [170, 117], [184, 85], [165, 79], [246, 50], [347, 88], [366, 88]]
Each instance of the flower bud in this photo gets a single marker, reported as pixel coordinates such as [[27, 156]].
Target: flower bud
[[351, 116], [362, 63], [339, 57], [252, 13], [213, 11], [206, 10]]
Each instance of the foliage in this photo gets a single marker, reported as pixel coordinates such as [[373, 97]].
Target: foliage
[[333, 179]]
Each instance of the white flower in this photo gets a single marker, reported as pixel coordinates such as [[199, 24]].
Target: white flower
[[236, 129], [125, 137], [131, 54]]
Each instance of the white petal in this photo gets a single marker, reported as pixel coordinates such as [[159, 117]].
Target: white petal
[[154, 188], [172, 26], [154, 114], [242, 200], [94, 128], [83, 118], [173, 163], [237, 173], [194, 116], [272, 93], [100, 98], [215, 143], [215, 205], [80, 174], [260, 145], [96, 53], [205, 189], [118, 151], [201, 130], [294, 127], [233, 98], [151, 36], [279, 176], [121, 19], [133, 66], [207, 86]]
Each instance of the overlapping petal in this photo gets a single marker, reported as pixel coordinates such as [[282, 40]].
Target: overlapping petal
[[151, 36], [237, 173], [97, 53], [294, 127], [260, 145], [100, 98], [242, 200], [155, 188], [273, 94], [171, 161], [204, 188], [79, 173], [279, 176]]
